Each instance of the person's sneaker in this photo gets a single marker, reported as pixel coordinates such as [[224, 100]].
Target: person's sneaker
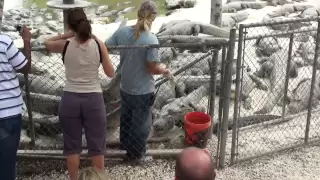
[[143, 160], [128, 159], [138, 161]]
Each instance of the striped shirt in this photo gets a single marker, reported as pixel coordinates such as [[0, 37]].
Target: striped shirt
[[11, 59]]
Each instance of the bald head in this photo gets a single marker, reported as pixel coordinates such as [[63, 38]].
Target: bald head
[[194, 164]]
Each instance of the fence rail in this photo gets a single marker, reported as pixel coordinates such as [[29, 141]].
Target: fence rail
[[193, 88], [261, 89]]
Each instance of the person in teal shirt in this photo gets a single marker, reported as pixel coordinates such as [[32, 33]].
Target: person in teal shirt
[[137, 85]]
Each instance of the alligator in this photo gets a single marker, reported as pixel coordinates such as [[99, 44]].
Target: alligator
[[277, 80], [187, 27], [233, 7]]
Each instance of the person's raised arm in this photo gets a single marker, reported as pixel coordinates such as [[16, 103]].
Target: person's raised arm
[[20, 62], [154, 66], [106, 62], [26, 37], [56, 44]]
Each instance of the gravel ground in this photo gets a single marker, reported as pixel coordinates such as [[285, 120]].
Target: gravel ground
[[297, 164], [301, 163]]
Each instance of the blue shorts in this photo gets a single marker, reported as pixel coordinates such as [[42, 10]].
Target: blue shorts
[[10, 129]]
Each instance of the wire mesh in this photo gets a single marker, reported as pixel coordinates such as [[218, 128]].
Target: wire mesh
[[187, 91], [272, 115]]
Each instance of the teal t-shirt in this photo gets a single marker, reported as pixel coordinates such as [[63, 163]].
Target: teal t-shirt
[[135, 79]]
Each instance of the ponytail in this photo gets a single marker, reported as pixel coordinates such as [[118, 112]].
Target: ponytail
[[84, 30], [79, 23], [143, 24]]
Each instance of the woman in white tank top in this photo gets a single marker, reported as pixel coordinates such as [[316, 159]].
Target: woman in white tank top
[[82, 105]]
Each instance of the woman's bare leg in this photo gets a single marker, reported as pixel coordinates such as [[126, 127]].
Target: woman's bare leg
[[98, 162], [73, 162]]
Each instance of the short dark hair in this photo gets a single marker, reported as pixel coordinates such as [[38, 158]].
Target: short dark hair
[[78, 22], [189, 171]]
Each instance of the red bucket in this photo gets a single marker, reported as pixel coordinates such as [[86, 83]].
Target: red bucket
[[197, 126]]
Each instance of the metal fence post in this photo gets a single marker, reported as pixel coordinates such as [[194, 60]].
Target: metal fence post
[[28, 100], [223, 65], [313, 80], [286, 84], [213, 83], [222, 71], [237, 96], [29, 109], [226, 104]]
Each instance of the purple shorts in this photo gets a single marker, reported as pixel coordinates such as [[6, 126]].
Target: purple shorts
[[86, 111]]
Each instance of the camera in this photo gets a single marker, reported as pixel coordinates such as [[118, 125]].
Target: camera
[[19, 28]]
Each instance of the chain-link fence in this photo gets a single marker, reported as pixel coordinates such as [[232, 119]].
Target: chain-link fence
[[198, 70], [276, 88], [265, 90]]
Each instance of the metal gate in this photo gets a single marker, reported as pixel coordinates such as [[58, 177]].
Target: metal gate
[[276, 88]]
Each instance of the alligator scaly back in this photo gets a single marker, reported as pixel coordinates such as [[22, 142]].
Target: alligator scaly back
[[277, 80]]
